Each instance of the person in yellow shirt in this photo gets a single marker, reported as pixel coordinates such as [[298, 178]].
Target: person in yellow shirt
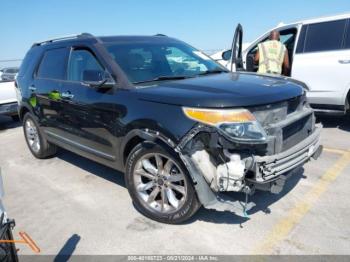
[[272, 56]]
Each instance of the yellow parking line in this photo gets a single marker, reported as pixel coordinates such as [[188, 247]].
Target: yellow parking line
[[335, 150], [281, 230]]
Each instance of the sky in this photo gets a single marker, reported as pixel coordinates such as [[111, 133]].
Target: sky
[[205, 24]]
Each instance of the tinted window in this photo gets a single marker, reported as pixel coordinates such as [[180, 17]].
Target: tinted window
[[53, 64], [301, 41], [82, 62], [29, 61], [347, 37], [325, 36]]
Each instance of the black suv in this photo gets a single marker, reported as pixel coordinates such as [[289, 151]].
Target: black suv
[[183, 129]]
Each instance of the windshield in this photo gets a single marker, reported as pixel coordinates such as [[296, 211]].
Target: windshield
[[11, 70], [149, 61]]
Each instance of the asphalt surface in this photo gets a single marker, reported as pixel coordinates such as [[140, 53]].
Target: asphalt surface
[[71, 205]]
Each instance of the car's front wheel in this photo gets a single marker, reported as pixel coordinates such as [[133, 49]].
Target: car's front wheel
[[159, 185]]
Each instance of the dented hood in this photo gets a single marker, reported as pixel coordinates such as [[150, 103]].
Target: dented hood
[[222, 90]]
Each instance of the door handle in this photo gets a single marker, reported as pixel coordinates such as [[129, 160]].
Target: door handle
[[344, 62], [67, 95], [32, 88]]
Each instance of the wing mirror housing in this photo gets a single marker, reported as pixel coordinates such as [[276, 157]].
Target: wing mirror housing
[[98, 79], [226, 56]]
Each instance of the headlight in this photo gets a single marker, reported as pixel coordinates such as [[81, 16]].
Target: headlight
[[239, 124]]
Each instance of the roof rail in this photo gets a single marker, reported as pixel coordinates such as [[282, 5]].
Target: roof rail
[[67, 37]]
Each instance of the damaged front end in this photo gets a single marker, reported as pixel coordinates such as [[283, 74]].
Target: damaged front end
[[275, 140]]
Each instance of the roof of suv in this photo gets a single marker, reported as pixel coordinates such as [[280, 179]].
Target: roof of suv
[[106, 39], [317, 20]]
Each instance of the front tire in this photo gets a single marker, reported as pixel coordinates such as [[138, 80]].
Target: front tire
[[159, 185], [37, 143]]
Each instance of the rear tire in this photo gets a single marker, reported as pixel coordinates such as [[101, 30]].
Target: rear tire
[[37, 143], [159, 185]]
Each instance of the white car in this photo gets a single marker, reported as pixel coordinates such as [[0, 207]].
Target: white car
[[8, 99], [319, 52]]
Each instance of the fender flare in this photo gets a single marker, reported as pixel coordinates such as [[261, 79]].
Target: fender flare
[[24, 108], [145, 134]]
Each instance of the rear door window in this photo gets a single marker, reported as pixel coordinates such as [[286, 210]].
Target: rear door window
[[326, 36], [53, 64]]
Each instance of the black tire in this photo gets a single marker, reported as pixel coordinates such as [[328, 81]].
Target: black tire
[[190, 204], [46, 149]]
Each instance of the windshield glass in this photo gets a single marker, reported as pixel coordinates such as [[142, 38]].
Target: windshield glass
[[147, 61]]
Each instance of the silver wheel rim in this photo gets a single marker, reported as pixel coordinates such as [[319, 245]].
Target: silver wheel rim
[[32, 135], [160, 183]]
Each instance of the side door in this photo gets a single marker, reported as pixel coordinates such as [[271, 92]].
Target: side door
[[323, 63], [45, 87], [234, 55], [89, 111], [287, 37]]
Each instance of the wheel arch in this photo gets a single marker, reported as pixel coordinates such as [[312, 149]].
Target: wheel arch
[[22, 111], [137, 136]]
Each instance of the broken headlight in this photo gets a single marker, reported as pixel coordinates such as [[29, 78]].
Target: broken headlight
[[238, 124]]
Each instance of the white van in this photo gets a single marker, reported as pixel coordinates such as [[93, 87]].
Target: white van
[[319, 51]]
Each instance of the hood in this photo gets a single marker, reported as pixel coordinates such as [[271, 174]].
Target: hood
[[222, 90]]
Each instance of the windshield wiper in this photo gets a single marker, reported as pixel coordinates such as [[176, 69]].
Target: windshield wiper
[[210, 72], [161, 78]]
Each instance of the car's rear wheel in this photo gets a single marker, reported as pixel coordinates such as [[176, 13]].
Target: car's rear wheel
[[36, 142], [159, 185]]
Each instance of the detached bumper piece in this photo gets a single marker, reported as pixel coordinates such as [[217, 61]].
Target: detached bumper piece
[[218, 163], [204, 156]]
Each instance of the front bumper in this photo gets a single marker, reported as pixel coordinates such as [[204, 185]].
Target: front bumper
[[270, 167], [9, 109], [265, 172]]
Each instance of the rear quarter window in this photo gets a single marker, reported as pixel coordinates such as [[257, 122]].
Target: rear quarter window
[[29, 62], [53, 64], [325, 36]]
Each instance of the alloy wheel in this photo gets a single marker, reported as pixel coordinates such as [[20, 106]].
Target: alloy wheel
[[160, 183], [32, 135]]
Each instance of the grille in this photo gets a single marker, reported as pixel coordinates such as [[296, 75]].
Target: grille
[[274, 113], [274, 119], [296, 132]]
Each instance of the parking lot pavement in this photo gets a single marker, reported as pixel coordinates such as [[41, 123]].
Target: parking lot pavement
[[70, 204]]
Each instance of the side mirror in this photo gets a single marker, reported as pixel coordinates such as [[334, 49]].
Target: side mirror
[[226, 56], [98, 79]]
